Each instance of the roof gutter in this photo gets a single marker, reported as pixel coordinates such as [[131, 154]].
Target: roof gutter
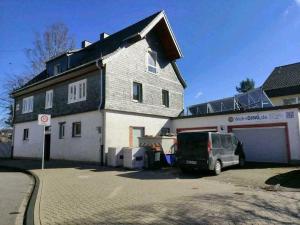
[[177, 71], [52, 77]]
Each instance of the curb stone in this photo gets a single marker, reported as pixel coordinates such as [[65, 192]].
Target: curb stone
[[30, 206]]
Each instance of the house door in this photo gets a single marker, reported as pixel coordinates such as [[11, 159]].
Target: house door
[[47, 147], [136, 133]]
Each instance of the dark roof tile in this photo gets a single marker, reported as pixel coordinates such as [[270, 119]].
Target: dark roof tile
[[283, 77]]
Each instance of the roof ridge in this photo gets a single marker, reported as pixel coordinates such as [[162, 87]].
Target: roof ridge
[[119, 31], [287, 65]]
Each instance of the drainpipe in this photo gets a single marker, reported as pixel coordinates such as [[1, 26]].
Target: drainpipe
[[13, 131], [102, 151]]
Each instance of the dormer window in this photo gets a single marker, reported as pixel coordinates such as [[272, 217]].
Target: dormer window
[[57, 69], [152, 61]]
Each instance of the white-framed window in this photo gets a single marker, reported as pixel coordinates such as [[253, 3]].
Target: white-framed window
[[76, 129], [62, 126], [165, 98], [137, 92], [49, 99], [27, 105], [77, 91], [291, 101], [57, 69], [25, 134], [151, 61]]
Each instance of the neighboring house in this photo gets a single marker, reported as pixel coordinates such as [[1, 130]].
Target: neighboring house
[[5, 135], [106, 94], [283, 85]]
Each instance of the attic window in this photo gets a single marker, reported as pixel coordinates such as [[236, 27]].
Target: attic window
[[57, 69], [151, 61]]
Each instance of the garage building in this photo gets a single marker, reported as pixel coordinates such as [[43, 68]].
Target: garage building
[[269, 134]]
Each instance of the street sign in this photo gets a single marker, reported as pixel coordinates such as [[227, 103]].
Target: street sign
[[44, 119]]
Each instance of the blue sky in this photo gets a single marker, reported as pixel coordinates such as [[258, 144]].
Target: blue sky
[[223, 41]]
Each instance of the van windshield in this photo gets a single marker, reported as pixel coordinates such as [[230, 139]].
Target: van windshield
[[193, 144]]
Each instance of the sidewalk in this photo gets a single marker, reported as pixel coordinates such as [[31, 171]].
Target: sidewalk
[[72, 193]]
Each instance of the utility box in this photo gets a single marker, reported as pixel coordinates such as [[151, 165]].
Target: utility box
[[133, 157], [115, 157]]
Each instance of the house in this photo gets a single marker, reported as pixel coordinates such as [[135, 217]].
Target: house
[[106, 94], [5, 135], [283, 85]]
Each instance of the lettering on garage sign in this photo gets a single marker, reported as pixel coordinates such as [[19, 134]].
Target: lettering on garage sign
[[262, 117]]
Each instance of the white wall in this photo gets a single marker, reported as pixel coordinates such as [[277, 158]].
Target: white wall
[[32, 147], [117, 127], [264, 117], [84, 148]]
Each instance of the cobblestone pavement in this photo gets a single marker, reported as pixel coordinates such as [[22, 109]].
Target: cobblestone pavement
[[91, 195]]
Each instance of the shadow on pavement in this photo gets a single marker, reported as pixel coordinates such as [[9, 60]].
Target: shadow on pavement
[[199, 209], [256, 165], [290, 179], [168, 173]]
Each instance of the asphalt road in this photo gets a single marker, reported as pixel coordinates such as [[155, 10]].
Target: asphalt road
[[15, 188]]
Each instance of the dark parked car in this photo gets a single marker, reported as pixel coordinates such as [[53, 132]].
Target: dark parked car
[[208, 151]]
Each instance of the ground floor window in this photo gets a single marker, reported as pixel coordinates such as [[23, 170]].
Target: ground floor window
[[26, 134], [62, 130], [76, 129]]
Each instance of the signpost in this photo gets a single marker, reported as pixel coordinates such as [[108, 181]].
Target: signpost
[[44, 120]]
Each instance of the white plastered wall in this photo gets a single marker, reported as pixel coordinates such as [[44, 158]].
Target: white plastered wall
[[84, 148], [117, 127]]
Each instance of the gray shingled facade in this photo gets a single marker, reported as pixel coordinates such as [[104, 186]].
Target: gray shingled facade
[[128, 66]]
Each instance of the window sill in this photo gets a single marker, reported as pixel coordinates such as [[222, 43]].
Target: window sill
[[152, 72], [136, 101], [77, 101], [76, 136], [26, 112]]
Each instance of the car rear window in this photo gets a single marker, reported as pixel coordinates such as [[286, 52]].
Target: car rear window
[[216, 142], [226, 141], [193, 141]]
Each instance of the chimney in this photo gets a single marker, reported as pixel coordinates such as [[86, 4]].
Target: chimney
[[103, 36], [85, 43]]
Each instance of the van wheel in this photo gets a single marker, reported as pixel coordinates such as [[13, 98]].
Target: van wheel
[[218, 167], [241, 161]]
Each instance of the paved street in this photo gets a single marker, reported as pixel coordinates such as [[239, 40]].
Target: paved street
[[14, 190], [76, 194]]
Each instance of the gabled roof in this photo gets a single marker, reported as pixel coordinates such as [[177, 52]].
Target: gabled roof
[[104, 48], [283, 80]]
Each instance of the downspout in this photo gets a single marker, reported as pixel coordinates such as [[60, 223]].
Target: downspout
[[100, 67], [102, 144], [13, 126]]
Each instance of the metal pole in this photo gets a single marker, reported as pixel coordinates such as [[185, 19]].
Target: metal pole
[[43, 149]]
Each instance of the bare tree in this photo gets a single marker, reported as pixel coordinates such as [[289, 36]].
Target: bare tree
[[55, 40]]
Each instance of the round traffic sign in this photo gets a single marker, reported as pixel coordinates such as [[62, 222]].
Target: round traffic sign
[[44, 119]]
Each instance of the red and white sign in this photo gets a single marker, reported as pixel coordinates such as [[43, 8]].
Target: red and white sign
[[44, 119]]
